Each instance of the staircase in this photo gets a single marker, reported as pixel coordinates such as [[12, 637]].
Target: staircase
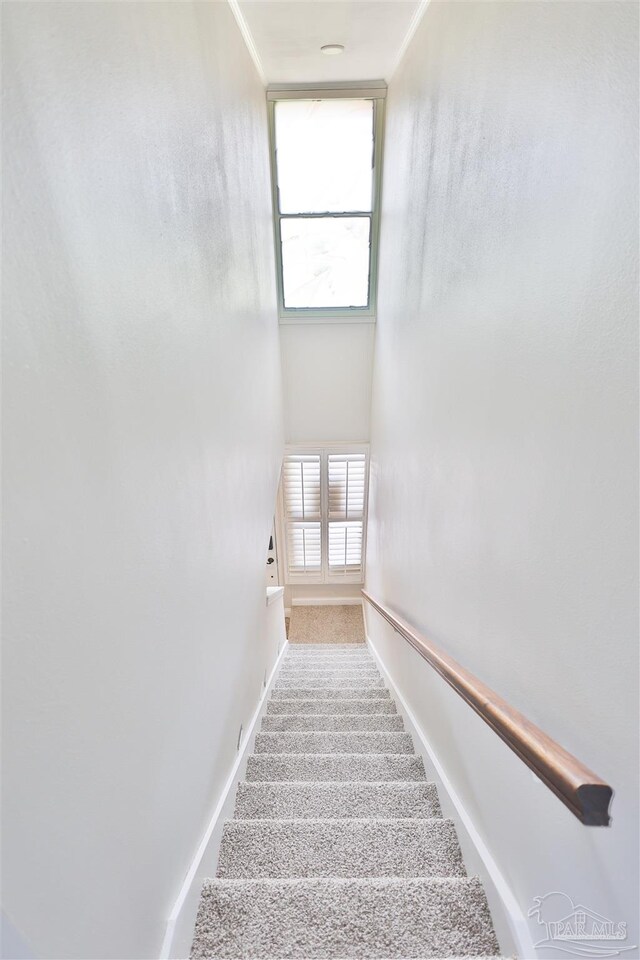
[[338, 847]]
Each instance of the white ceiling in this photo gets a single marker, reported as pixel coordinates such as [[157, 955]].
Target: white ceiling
[[287, 35]]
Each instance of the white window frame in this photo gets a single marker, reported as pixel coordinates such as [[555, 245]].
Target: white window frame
[[325, 576], [375, 91]]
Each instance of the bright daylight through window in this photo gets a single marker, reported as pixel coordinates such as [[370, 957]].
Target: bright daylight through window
[[326, 155]]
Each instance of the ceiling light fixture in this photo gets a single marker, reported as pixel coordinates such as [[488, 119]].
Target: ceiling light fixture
[[332, 49]]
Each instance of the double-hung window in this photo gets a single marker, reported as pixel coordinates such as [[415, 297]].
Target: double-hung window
[[323, 508], [326, 156]]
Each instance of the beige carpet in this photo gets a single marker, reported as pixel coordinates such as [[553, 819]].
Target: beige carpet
[[337, 846], [339, 624]]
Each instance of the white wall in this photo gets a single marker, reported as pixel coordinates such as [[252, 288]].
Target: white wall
[[504, 455], [306, 594], [142, 432], [326, 374], [182, 921]]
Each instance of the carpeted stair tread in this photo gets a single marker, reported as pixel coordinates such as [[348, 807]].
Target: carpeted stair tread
[[332, 742], [351, 918], [389, 799], [295, 649], [345, 722], [328, 673], [361, 653], [339, 656], [328, 693], [307, 652], [342, 655], [329, 682], [337, 660], [253, 849], [340, 659], [332, 766], [307, 678], [331, 706], [324, 666]]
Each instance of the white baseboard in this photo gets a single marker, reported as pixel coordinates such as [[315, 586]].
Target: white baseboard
[[165, 950], [517, 923], [325, 601]]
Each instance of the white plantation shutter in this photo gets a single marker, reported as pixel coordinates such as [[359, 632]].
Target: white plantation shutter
[[346, 475], [301, 478], [303, 513], [345, 547], [346, 485], [304, 547], [324, 496]]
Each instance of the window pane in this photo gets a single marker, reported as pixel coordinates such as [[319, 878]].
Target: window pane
[[324, 152], [325, 261]]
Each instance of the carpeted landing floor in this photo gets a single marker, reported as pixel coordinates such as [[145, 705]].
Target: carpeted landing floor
[[338, 848], [339, 624]]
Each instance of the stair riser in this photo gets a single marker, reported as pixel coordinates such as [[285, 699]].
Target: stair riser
[[253, 849], [327, 648], [340, 657], [324, 663], [307, 743], [335, 767], [329, 672], [338, 800], [331, 706], [341, 723], [301, 681], [327, 693], [333, 670], [330, 683]]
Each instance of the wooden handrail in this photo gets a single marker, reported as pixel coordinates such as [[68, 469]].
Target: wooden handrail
[[584, 793]]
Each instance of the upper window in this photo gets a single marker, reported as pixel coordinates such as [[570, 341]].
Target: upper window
[[326, 164]]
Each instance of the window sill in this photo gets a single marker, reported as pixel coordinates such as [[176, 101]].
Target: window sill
[[325, 318]]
